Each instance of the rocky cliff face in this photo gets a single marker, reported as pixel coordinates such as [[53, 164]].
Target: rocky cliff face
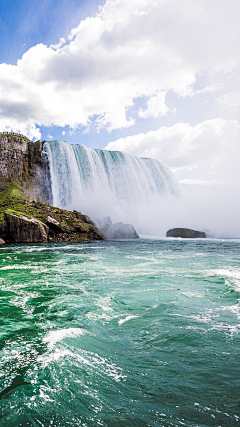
[[13, 158], [25, 230], [22, 161], [25, 214], [34, 222]]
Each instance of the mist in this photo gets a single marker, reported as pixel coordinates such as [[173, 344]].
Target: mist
[[203, 208], [141, 192]]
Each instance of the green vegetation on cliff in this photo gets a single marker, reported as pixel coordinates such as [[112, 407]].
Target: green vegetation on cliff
[[10, 196], [17, 136], [61, 225]]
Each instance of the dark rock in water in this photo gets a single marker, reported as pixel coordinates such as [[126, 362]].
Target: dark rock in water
[[185, 233], [25, 230], [116, 231], [2, 241]]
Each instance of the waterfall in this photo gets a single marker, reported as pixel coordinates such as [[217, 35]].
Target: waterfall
[[100, 182]]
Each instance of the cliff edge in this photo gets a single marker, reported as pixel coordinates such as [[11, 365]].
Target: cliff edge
[[25, 197]]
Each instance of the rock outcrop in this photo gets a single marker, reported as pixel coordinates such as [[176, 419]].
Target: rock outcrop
[[185, 233], [35, 222], [53, 224], [2, 241], [21, 229], [116, 231]]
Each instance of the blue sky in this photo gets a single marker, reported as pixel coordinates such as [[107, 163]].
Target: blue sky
[[156, 78], [25, 23]]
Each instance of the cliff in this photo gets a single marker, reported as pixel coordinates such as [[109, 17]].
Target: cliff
[[13, 158], [22, 161], [25, 217]]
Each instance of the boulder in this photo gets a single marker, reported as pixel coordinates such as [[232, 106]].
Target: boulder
[[53, 224], [21, 229], [116, 231], [185, 233], [2, 241]]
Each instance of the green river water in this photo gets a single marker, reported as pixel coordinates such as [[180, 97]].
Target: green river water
[[135, 333]]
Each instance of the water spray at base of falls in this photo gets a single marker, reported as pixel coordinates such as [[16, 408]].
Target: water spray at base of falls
[[142, 192], [101, 183]]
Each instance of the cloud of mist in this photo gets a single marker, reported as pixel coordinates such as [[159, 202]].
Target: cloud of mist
[[213, 209], [205, 159]]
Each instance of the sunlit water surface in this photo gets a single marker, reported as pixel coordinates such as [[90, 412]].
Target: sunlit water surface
[[136, 333]]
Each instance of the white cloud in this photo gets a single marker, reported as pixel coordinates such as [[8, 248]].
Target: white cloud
[[156, 106], [130, 49], [207, 152], [28, 129], [230, 101]]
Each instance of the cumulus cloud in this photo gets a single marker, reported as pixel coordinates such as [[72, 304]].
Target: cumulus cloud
[[128, 50], [206, 153], [156, 106]]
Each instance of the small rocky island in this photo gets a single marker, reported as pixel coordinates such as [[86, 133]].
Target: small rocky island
[[26, 214], [185, 233]]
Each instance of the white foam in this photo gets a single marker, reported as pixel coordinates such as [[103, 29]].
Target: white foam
[[121, 321], [58, 335]]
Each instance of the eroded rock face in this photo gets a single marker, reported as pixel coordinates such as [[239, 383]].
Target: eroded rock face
[[21, 229], [13, 157], [53, 224], [26, 222], [58, 230], [116, 231], [185, 233], [24, 162]]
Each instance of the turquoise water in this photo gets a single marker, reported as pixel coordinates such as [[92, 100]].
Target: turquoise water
[[137, 333]]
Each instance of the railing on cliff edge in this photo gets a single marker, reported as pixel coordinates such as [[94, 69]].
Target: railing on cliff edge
[[15, 134]]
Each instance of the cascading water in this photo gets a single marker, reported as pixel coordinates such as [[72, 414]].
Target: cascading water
[[101, 183]]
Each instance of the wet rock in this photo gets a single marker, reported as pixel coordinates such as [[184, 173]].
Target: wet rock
[[21, 229], [185, 233], [2, 241]]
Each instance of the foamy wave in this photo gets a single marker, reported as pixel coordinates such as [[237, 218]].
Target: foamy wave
[[121, 321], [233, 275], [58, 335]]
